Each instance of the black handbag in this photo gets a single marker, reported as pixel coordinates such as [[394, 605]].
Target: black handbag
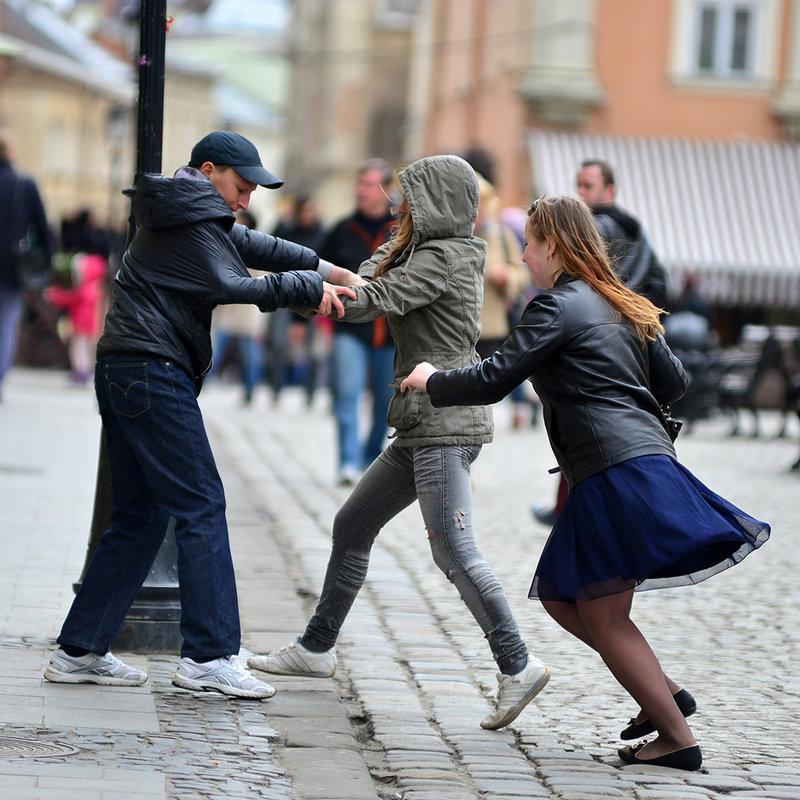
[[29, 263], [672, 424]]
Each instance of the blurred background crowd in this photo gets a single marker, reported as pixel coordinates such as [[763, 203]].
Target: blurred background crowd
[[695, 103]]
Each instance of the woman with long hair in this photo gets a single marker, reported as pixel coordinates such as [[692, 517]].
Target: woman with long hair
[[428, 282], [635, 518]]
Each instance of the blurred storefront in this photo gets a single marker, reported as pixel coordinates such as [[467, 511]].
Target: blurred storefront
[[723, 212], [696, 103]]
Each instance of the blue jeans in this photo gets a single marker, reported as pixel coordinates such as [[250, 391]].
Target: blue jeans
[[352, 362], [161, 465], [10, 315], [439, 478], [249, 352]]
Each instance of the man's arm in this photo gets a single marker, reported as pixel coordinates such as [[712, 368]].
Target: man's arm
[[262, 251]]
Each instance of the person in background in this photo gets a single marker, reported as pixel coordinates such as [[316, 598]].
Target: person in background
[[240, 327], [428, 281], [631, 257], [186, 257], [87, 248], [291, 334], [635, 518], [21, 215], [363, 354], [505, 280]]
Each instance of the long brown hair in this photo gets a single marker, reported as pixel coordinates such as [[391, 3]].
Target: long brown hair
[[398, 241], [568, 222]]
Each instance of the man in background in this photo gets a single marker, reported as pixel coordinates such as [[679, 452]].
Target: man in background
[[363, 352], [22, 217], [628, 247]]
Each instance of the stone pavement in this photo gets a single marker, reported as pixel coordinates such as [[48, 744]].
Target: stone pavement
[[401, 717]]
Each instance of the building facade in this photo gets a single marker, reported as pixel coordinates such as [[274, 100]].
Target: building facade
[[348, 87], [695, 102]]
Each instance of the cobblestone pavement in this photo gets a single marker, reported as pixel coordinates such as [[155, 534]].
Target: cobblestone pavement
[[401, 717]]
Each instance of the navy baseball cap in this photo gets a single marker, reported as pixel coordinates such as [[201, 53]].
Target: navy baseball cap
[[232, 149]]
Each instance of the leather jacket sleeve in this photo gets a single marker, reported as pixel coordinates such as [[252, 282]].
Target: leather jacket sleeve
[[265, 252], [668, 379], [539, 334]]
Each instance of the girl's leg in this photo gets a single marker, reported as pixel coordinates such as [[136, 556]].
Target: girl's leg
[[567, 616], [632, 662], [383, 491], [445, 496]]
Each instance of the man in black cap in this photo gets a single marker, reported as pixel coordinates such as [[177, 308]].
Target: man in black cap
[[186, 257]]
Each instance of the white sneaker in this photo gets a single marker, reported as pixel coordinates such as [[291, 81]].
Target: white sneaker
[[105, 670], [225, 675], [516, 691], [294, 659], [348, 476]]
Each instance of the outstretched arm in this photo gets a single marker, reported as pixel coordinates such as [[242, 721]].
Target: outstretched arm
[[330, 299], [418, 379], [340, 276]]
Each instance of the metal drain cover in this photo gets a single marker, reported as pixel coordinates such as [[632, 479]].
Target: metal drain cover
[[16, 747]]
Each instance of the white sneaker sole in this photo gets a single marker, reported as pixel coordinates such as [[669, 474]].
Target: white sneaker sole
[[54, 676], [260, 663], [491, 724], [212, 686]]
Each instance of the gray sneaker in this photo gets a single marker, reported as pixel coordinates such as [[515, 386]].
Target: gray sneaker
[[225, 675], [515, 692], [294, 659], [105, 670]]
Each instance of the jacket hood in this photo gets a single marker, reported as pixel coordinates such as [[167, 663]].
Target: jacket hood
[[442, 194], [161, 202], [629, 224]]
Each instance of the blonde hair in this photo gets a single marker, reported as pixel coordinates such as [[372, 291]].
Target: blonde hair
[[398, 241], [489, 201], [568, 222]]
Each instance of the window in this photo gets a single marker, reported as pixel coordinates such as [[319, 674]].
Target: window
[[726, 38], [397, 14]]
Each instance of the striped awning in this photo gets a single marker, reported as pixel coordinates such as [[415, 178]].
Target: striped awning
[[725, 211]]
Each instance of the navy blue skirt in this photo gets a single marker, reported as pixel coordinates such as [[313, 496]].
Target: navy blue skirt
[[646, 523]]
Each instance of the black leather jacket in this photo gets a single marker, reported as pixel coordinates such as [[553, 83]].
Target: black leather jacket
[[600, 387], [186, 258]]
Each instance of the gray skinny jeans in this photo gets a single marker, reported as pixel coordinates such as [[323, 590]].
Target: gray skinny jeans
[[439, 477]]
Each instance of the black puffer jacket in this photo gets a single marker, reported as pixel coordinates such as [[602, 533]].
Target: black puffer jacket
[[600, 387], [186, 258]]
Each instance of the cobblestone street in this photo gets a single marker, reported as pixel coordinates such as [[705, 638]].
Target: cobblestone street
[[401, 717]]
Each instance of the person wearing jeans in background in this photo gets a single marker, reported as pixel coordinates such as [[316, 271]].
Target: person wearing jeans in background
[[428, 281], [186, 257], [363, 353]]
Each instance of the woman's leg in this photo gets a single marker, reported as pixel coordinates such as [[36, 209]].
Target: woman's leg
[[383, 491], [442, 477], [632, 662], [567, 616]]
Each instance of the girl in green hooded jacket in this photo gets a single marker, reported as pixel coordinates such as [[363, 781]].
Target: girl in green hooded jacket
[[427, 280]]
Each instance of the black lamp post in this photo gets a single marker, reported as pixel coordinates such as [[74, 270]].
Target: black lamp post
[[153, 619]]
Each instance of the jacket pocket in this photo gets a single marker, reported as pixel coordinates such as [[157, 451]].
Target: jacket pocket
[[405, 410], [128, 389]]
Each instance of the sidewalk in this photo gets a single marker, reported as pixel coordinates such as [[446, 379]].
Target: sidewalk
[[401, 717]]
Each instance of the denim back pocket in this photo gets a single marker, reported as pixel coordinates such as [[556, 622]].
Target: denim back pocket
[[128, 389]]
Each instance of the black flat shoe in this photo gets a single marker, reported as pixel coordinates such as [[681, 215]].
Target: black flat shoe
[[635, 730], [690, 758]]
